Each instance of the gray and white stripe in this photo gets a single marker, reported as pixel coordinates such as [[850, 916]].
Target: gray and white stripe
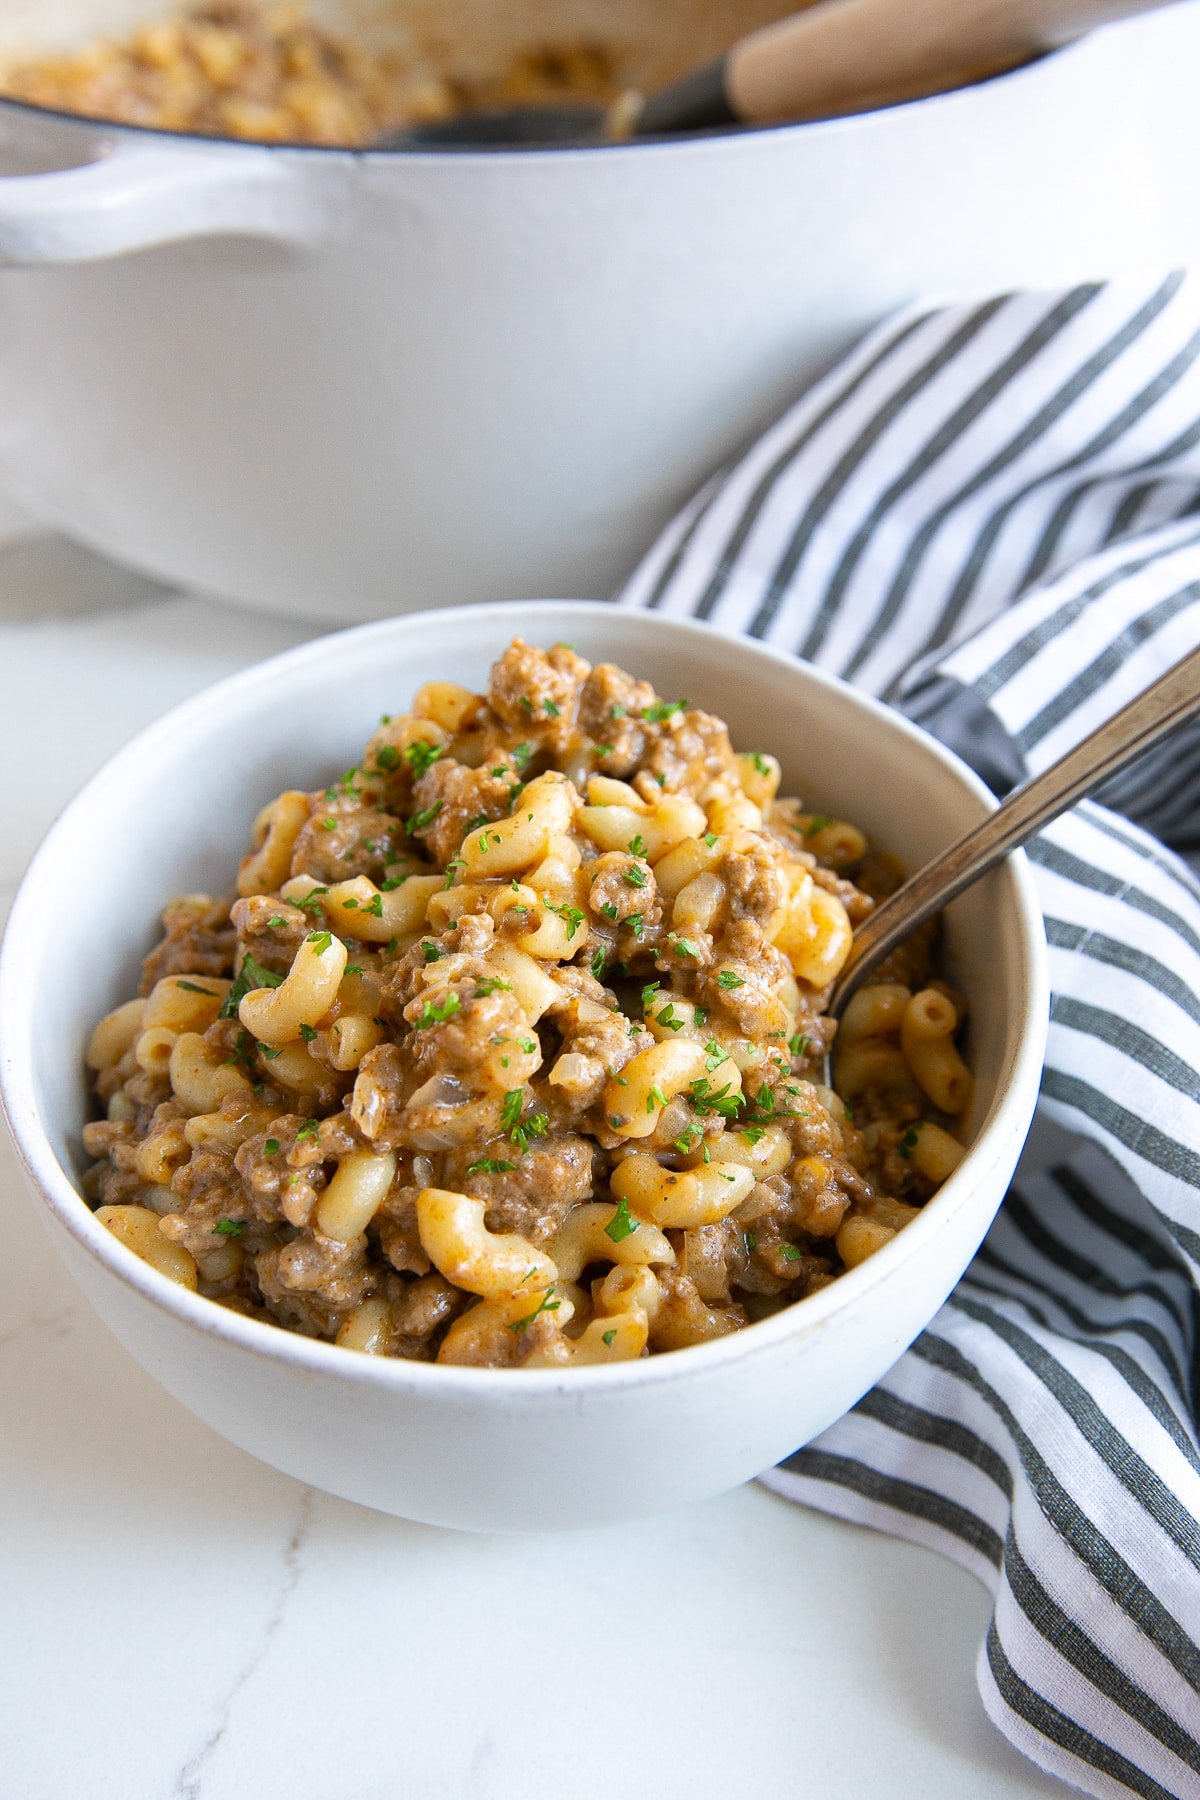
[[990, 513]]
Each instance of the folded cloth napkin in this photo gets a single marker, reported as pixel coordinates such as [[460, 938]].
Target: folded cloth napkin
[[989, 514]]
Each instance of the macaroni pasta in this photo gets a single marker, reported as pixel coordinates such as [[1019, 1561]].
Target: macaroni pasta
[[507, 1047]]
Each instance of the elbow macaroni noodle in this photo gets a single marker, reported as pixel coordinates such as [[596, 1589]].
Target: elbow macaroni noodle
[[509, 1051]]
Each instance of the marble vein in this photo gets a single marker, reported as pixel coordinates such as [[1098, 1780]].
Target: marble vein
[[53, 1321], [191, 1775]]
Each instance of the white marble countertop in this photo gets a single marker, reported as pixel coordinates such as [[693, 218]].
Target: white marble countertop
[[177, 1620]]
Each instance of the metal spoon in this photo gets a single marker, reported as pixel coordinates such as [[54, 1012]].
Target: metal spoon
[[1166, 704], [838, 57]]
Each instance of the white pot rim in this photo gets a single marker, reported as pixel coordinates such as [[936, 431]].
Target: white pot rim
[[730, 142], [56, 1188]]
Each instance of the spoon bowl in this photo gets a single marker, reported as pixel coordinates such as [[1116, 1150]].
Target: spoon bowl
[[1165, 705]]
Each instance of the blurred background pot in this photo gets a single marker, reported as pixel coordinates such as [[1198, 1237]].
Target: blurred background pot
[[341, 385]]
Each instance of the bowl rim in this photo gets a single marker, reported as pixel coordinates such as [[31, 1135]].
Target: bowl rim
[[57, 1190], [676, 142]]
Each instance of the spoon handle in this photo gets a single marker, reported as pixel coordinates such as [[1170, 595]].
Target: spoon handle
[[849, 55], [1167, 703]]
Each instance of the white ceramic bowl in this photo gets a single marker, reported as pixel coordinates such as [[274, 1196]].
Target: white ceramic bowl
[[479, 1448]]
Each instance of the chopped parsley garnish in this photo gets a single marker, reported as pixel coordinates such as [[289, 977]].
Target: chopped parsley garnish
[[276, 919], [351, 905], [727, 979], [608, 909], [271, 1147], [664, 709], [229, 1227], [604, 749], [525, 704], [683, 947], [392, 883], [432, 952], [621, 1225], [309, 1129], [452, 867], [421, 756], [765, 1100], [250, 975], [908, 1142], [648, 992], [760, 762], [752, 1133], [689, 1137], [374, 906], [707, 1099], [307, 1033], [387, 757], [799, 1044], [489, 985], [654, 1098], [617, 712], [751, 1242], [790, 1253], [596, 963], [243, 1051], [489, 1165], [425, 817], [570, 915], [329, 824], [190, 987], [710, 838], [636, 876], [702, 1015], [668, 1019], [311, 902], [608, 1336], [510, 1112], [546, 1305], [528, 1045], [354, 969], [634, 923], [637, 845], [818, 822], [848, 1110], [269, 1051], [320, 941], [487, 840], [551, 709], [521, 754], [436, 1012], [533, 1125]]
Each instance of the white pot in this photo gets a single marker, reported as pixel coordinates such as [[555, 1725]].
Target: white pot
[[345, 385]]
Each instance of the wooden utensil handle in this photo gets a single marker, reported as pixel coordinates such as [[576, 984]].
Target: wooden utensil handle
[[845, 54]]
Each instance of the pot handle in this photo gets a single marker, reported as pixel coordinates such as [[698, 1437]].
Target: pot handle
[[137, 195]]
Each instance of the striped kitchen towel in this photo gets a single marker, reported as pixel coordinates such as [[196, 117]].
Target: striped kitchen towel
[[989, 514]]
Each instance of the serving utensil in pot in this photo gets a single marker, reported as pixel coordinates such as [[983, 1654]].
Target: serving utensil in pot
[[838, 57], [1166, 704]]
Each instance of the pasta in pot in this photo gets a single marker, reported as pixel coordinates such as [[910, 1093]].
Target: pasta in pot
[[280, 74], [507, 1050]]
